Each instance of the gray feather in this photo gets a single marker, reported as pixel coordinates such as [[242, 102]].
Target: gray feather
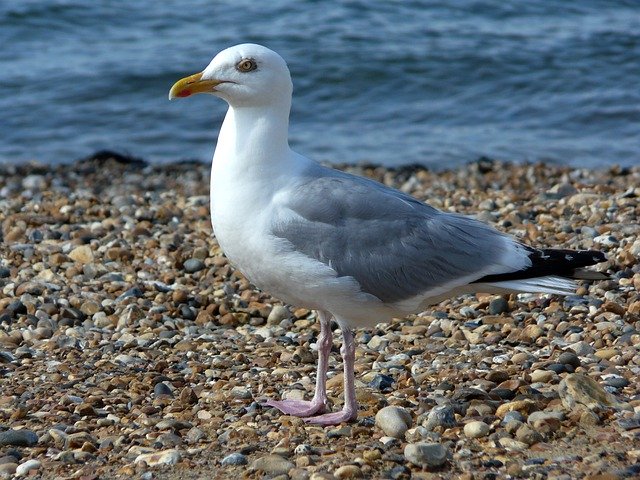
[[392, 244]]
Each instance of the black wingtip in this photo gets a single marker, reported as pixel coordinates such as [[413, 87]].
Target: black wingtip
[[558, 262]]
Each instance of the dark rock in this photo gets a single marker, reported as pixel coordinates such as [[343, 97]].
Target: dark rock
[[629, 423], [441, 416], [616, 382], [504, 393], [557, 367], [18, 438], [161, 388], [132, 292], [498, 305], [382, 382], [193, 265], [569, 358], [235, 459]]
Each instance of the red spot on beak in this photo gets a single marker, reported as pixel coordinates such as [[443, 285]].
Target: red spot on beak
[[184, 93]]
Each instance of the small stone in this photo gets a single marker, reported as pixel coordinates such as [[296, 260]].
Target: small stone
[[440, 416], [8, 469], [582, 349], [348, 471], [242, 393], [382, 382], [606, 353], [513, 415], [162, 388], [235, 459], [531, 333], [82, 254], [428, 455], [546, 422], [578, 390], [527, 435], [26, 467], [164, 457], [476, 429], [278, 314], [193, 265], [272, 465], [617, 382], [498, 305], [512, 444], [523, 406], [18, 438], [393, 421], [497, 376], [569, 358], [542, 376]]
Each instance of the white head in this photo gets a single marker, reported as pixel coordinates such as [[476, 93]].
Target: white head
[[246, 75]]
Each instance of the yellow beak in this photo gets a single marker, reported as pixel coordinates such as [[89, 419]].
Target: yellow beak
[[191, 85]]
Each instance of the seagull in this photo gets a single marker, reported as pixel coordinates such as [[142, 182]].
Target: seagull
[[351, 248]]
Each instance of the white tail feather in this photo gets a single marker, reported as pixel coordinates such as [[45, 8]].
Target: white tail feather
[[548, 284]]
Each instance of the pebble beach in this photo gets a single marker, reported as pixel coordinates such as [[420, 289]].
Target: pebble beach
[[131, 348]]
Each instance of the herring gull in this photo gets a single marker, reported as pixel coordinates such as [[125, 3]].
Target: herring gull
[[351, 248]]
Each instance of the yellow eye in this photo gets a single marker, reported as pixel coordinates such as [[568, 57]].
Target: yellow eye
[[246, 65]]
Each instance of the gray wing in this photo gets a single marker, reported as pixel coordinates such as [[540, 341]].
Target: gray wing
[[393, 245]]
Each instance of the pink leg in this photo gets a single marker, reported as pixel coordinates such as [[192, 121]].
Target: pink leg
[[350, 409], [303, 408]]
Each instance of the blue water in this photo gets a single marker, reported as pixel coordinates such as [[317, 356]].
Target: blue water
[[396, 82]]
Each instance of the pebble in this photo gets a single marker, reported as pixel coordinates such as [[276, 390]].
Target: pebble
[[498, 305], [153, 358], [164, 457], [578, 390], [193, 265], [278, 314], [348, 471], [82, 254], [162, 388], [18, 438], [426, 455], [394, 421], [542, 376], [476, 429], [272, 465], [440, 416], [26, 467], [235, 459], [8, 469]]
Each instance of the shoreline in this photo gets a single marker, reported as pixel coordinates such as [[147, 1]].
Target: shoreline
[[125, 333]]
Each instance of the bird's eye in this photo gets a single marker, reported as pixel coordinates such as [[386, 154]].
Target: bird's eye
[[246, 65]]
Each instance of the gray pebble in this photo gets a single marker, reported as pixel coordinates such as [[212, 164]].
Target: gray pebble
[[426, 454], [616, 382], [235, 459], [161, 388], [393, 421], [498, 305], [569, 358], [440, 416], [476, 429], [277, 314], [18, 438], [511, 416], [272, 465], [193, 265]]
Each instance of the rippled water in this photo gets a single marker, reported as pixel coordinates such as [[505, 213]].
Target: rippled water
[[438, 83]]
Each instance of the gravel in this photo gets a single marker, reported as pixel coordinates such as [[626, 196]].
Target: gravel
[[129, 347]]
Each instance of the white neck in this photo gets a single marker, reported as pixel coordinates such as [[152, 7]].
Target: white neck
[[254, 140]]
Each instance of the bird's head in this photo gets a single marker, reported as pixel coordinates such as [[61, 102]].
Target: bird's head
[[245, 75]]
